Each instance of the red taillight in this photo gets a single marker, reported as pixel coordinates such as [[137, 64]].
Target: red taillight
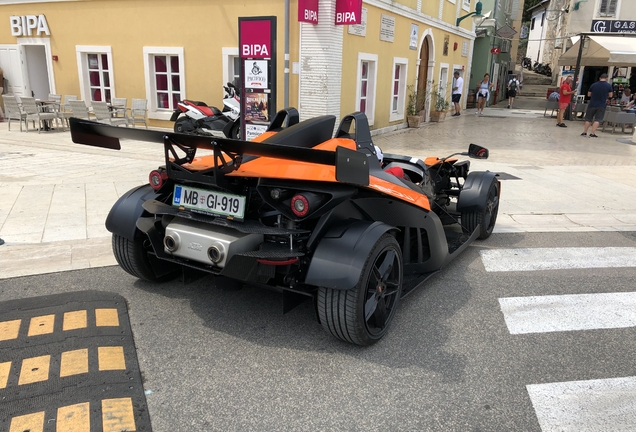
[[157, 179], [299, 205]]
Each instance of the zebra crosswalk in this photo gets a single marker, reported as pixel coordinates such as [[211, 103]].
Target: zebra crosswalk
[[597, 404]]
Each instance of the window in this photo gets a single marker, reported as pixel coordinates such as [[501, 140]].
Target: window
[[231, 66], [608, 8], [532, 24], [398, 90], [165, 80], [95, 68], [365, 93], [466, 5], [98, 77], [542, 18]]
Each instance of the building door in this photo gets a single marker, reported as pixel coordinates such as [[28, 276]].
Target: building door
[[11, 65], [36, 71], [422, 73]]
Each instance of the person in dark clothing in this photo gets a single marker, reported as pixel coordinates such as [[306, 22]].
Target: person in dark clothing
[[598, 93]]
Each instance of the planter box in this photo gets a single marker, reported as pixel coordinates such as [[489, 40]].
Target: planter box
[[438, 116], [414, 121]]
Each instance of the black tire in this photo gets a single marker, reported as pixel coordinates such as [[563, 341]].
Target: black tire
[[486, 218], [183, 125], [133, 258], [234, 132], [362, 315]]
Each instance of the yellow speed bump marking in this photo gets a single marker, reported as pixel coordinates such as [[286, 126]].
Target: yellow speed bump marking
[[30, 422], [111, 358], [9, 329], [34, 369], [74, 362], [106, 318], [5, 368], [74, 320], [41, 325], [117, 415], [74, 418]]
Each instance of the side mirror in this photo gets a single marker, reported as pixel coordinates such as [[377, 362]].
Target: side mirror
[[477, 152]]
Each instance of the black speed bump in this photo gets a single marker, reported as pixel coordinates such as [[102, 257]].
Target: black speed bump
[[68, 362]]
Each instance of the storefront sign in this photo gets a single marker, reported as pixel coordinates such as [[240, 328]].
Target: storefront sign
[[28, 24], [256, 38], [348, 12], [613, 26], [257, 42], [308, 11]]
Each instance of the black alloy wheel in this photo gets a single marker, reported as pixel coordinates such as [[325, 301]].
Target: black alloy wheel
[[362, 315]]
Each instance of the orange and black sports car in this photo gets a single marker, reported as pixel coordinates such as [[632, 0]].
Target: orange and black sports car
[[303, 212]]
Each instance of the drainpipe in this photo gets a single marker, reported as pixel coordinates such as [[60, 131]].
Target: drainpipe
[[286, 65]]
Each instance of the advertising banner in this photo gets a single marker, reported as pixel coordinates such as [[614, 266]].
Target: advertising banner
[[348, 12], [257, 49], [308, 11], [613, 26]]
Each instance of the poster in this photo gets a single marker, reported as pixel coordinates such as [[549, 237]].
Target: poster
[[256, 74], [414, 36], [256, 107]]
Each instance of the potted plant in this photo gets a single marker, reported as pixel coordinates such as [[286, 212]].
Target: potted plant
[[441, 105], [413, 108]]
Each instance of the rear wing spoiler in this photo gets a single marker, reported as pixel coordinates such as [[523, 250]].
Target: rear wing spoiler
[[351, 166]]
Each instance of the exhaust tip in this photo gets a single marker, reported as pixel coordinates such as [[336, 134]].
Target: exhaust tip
[[215, 254], [170, 243]]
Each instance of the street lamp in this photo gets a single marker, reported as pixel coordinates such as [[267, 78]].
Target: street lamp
[[477, 14]]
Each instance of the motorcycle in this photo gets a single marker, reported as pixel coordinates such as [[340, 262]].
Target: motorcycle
[[198, 118], [526, 63]]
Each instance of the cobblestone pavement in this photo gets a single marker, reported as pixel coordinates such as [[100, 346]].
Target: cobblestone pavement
[[56, 194]]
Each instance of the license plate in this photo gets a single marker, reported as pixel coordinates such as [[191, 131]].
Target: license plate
[[219, 203]]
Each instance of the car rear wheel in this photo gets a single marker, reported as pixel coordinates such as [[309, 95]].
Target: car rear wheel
[[486, 218], [362, 315], [133, 258]]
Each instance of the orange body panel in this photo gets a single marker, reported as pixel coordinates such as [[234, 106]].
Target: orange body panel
[[432, 161], [273, 168]]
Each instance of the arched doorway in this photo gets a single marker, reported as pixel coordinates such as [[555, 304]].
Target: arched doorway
[[422, 73]]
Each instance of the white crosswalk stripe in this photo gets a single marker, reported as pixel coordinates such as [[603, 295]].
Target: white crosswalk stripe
[[557, 313], [527, 259], [589, 405], [592, 405]]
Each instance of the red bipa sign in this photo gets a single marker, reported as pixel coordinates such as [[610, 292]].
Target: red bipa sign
[[256, 39], [308, 11], [348, 12]]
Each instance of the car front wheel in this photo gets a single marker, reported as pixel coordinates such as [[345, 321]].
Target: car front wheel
[[486, 218]]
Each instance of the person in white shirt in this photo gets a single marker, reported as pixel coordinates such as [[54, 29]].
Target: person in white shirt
[[513, 90], [457, 92]]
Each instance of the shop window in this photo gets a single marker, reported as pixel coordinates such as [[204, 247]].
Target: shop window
[[365, 93], [607, 8], [165, 80], [398, 89], [96, 73]]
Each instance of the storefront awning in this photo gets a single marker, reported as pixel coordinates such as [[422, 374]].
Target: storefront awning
[[602, 51]]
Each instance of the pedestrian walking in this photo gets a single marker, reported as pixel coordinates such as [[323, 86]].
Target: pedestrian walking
[[565, 98], [513, 90], [483, 93], [598, 93], [458, 85]]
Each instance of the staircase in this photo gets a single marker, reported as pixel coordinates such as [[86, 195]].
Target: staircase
[[535, 85]]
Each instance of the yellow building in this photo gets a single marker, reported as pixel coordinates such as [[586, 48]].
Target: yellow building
[[164, 51]]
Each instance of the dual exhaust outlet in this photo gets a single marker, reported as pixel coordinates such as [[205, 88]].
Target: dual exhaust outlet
[[214, 253]]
